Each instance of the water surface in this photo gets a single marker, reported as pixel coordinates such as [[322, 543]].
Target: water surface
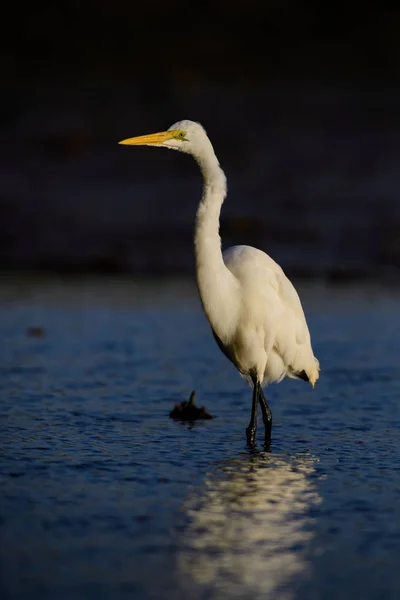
[[103, 496]]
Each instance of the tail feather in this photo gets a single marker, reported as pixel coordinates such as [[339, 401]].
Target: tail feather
[[314, 374], [310, 375]]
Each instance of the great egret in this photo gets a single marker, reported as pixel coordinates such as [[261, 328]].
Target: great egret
[[254, 310]]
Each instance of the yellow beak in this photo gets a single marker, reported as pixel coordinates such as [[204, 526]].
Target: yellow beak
[[149, 140]]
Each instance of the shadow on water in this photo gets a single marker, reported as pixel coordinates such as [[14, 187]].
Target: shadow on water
[[249, 528]]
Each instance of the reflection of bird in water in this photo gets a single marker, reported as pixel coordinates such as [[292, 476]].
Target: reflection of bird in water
[[253, 309], [249, 531]]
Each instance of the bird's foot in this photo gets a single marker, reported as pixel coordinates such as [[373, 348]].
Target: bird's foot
[[267, 445], [251, 436], [268, 429]]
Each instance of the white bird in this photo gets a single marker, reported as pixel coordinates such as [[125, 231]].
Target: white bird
[[254, 310]]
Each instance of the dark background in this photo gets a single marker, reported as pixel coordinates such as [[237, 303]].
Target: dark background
[[301, 103]]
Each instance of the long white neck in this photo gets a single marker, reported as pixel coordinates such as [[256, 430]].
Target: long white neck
[[217, 285]]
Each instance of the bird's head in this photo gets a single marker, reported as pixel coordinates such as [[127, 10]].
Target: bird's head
[[185, 136]]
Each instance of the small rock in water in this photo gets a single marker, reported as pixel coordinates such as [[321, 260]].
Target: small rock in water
[[37, 332], [188, 411]]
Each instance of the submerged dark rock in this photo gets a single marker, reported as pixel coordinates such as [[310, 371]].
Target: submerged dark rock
[[188, 411], [36, 332]]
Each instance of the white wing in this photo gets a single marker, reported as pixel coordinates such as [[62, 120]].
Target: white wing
[[271, 307]]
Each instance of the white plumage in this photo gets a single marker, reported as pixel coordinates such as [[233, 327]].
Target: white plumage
[[253, 308], [271, 310]]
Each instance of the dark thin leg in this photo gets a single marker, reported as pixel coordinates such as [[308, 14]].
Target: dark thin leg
[[267, 416], [252, 428]]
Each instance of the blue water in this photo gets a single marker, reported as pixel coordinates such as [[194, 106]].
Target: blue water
[[104, 496]]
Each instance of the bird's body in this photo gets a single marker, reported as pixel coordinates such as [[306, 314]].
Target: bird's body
[[279, 336], [254, 310]]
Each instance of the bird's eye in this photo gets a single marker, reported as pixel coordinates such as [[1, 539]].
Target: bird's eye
[[180, 135]]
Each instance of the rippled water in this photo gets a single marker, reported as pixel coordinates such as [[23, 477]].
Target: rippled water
[[103, 496]]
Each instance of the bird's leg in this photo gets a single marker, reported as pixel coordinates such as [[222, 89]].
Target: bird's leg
[[267, 415], [252, 428]]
